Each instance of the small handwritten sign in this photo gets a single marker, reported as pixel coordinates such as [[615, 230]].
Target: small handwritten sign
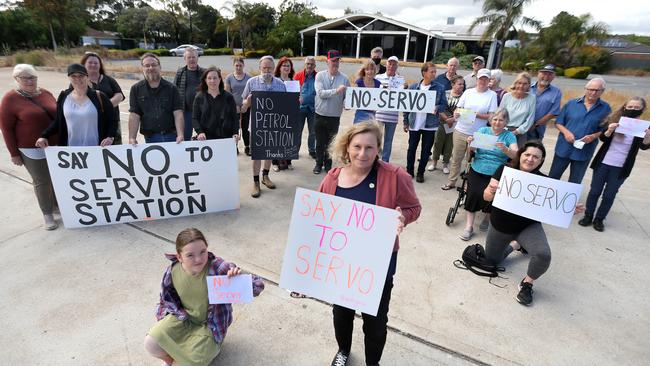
[[275, 132], [338, 250], [632, 126], [547, 200], [484, 141], [395, 100], [230, 290], [467, 116], [293, 86]]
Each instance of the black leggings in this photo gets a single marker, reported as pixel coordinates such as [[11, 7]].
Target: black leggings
[[244, 121]]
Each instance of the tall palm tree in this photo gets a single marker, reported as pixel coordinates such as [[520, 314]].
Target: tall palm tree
[[501, 17]]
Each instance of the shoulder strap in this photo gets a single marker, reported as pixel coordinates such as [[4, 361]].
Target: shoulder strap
[[101, 104], [41, 106]]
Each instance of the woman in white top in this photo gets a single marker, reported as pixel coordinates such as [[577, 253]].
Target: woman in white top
[[479, 100], [520, 105]]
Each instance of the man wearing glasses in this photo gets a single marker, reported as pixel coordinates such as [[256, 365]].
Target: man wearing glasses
[[470, 79], [156, 106], [580, 125]]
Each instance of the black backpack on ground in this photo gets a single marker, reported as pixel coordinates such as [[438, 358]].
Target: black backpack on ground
[[474, 260]]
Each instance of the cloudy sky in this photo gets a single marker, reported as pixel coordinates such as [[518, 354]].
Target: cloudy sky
[[631, 16]]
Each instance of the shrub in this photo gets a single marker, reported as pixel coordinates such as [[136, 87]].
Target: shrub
[[160, 52], [285, 52], [465, 61], [559, 71], [459, 49], [34, 57], [443, 57], [217, 51], [580, 72], [121, 54], [255, 53]]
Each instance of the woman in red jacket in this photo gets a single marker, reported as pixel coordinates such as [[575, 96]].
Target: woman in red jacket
[[364, 177], [24, 113]]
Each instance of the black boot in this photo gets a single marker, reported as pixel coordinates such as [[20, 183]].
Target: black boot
[[598, 225], [586, 221]]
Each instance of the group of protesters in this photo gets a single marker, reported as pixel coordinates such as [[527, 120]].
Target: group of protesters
[[201, 104]]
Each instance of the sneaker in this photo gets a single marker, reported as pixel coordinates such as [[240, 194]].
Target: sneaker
[[419, 178], [485, 224], [466, 235], [445, 169], [317, 169], [586, 221], [525, 295], [255, 192], [247, 151], [267, 182], [340, 359], [598, 225], [49, 223], [432, 167]]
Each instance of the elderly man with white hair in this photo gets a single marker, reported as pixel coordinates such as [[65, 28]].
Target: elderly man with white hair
[[580, 126], [495, 84], [187, 79]]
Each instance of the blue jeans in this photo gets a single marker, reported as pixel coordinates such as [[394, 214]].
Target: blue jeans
[[607, 177], [160, 137], [389, 132], [362, 116], [311, 139], [536, 133], [578, 169], [187, 131]]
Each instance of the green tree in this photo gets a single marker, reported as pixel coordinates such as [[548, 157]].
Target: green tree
[[501, 16], [69, 17], [157, 25], [104, 13], [294, 16], [252, 22], [132, 23], [20, 29], [204, 23]]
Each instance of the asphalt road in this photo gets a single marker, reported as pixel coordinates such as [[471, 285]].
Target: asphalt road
[[626, 84]]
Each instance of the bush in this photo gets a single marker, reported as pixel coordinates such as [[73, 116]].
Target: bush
[[160, 52], [465, 61], [559, 71], [443, 57], [217, 51], [285, 52], [35, 57], [459, 49], [121, 54], [596, 57], [255, 53], [580, 72]]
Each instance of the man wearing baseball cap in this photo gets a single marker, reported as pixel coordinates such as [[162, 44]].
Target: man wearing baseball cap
[[547, 105], [330, 91], [478, 63], [389, 80]]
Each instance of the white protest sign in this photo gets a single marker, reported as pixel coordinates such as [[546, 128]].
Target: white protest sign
[[230, 290], [467, 116], [338, 250], [547, 200], [632, 126], [124, 183], [293, 86], [448, 129], [396, 100], [484, 141]]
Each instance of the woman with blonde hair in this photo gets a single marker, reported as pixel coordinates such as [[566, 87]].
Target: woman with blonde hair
[[520, 105], [366, 80], [366, 178]]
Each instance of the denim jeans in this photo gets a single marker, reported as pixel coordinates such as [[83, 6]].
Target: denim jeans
[[311, 139], [187, 130], [159, 137], [425, 150], [607, 177], [578, 169], [389, 132]]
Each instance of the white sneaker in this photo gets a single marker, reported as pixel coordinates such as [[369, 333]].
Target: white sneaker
[[49, 223], [432, 167], [445, 169]]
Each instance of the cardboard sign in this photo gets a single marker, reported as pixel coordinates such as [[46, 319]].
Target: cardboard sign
[[396, 100], [547, 200], [123, 183], [484, 141], [338, 250], [467, 116], [275, 129], [632, 126], [230, 290]]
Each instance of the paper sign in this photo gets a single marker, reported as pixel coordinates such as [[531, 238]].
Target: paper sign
[[467, 116], [484, 141], [632, 126], [275, 128], [338, 250], [230, 290], [293, 86], [448, 129], [547, 200], [396, 100], [125, 183]]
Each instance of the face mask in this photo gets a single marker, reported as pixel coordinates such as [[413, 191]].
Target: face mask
[[632, 113], [377, 60]]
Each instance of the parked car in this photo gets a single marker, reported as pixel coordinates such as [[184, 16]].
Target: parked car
[[178, 51]]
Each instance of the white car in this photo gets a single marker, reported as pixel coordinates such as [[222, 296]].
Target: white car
[[180, 50]]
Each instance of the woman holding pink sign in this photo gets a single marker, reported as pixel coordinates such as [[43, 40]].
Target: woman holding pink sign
[[485, 163], [613, 163], [366, 178], [189, 330]]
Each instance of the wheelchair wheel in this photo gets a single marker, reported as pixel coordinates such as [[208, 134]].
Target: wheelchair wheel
[[450, 216]]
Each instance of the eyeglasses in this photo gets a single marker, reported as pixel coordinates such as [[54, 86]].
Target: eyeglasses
[[594, 90], [286, 65], [28, 78], [148, 66]]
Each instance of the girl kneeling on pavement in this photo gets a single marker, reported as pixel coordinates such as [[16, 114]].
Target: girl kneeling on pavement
[[189, 330], [508, 231]]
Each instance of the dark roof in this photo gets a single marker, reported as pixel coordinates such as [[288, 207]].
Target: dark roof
[[90, 32]]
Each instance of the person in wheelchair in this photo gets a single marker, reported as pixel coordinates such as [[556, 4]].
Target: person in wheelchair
[[483, 166]]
